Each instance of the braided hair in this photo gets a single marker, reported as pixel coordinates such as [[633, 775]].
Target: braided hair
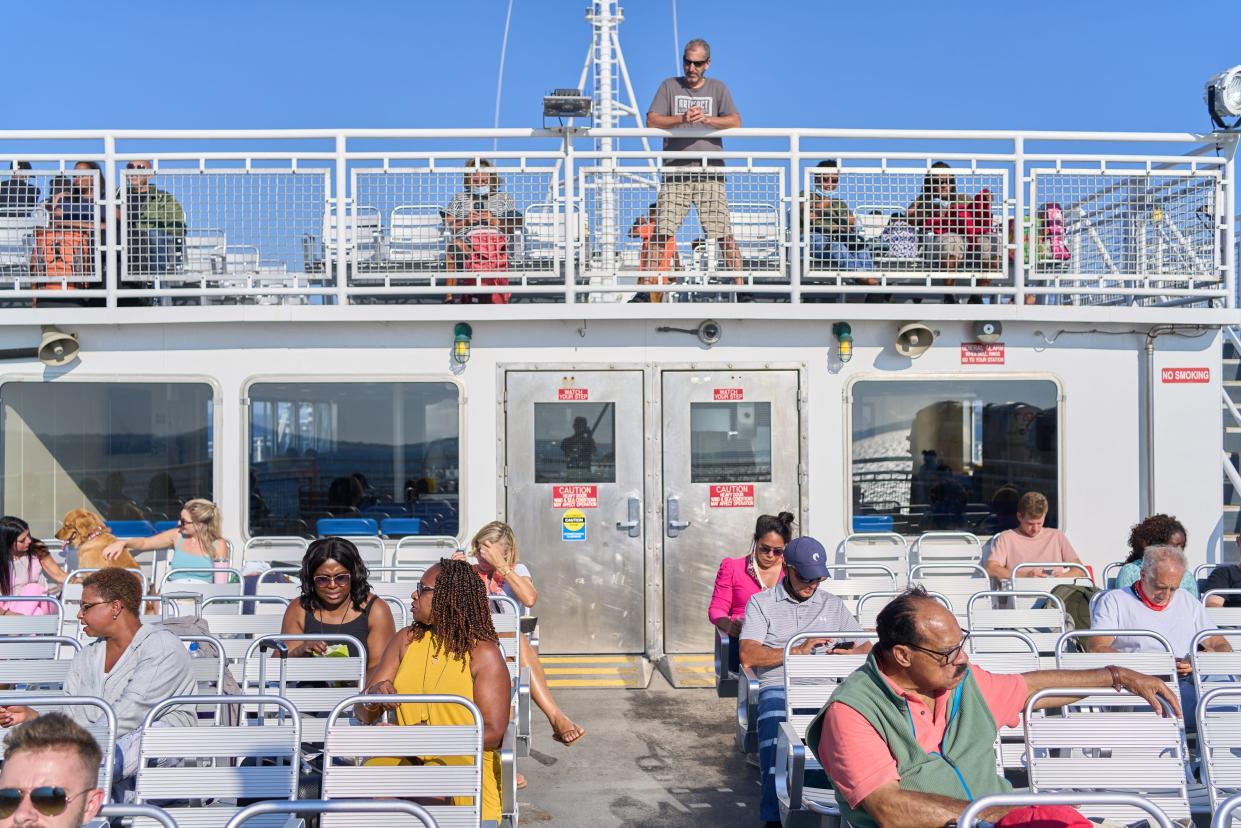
[[460, 609]]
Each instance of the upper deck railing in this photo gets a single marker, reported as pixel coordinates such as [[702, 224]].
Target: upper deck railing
[[385, 216]]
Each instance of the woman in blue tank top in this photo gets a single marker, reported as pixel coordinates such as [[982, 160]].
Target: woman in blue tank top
[[195, 542]]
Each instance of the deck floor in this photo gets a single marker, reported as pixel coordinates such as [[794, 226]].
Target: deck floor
[[658, 756]]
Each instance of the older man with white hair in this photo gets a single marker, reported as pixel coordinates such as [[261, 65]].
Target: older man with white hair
[[1156, 603]]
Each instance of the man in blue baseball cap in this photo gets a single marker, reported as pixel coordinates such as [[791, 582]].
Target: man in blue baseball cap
[[774, 616]]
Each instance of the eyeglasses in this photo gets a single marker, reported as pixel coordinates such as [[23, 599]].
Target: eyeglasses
[[85, 608], [948, 656], [770, 550], [697, 64], [339, 579], [421, 588], [47, 799]]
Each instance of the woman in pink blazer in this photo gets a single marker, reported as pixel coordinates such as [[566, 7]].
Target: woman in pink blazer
[[740, 578]]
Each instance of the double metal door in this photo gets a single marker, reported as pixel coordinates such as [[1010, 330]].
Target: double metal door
[[580, 484]]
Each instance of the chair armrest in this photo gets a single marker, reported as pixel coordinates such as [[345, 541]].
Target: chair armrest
[[508, 774], [725, 679], [523, 712], [790, 767], [747, 711]]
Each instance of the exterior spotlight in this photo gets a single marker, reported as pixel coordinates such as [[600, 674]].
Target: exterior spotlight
[[844, 340], [461, 336], [1223, 97]]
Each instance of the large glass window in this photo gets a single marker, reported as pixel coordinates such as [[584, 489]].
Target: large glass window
[[941, 455], [730, 442], [574, 442], [353, 449], [126, 450]]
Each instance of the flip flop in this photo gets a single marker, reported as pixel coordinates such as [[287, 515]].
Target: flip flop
[[562, 736]]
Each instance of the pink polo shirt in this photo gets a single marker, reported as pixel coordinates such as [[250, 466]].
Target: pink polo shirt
[[857, 758]]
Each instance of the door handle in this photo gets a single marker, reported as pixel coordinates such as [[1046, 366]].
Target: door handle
[[673, 511], [633, 526]]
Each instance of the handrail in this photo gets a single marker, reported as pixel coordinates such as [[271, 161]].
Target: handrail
[[1234, 477], [970, 817], [145, 811], [335, 806]]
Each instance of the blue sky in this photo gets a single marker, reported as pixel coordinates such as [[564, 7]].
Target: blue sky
[[1089, 64]]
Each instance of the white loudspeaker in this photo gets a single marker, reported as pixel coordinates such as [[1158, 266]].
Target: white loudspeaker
[[913, 339], [57, 348]]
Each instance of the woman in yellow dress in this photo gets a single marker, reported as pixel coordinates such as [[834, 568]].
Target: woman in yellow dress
[[451, 648]]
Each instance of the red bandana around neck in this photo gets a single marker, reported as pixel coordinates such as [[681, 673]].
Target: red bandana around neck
[[1147, 602]]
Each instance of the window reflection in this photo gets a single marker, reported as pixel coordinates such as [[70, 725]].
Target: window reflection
[[932, 455], [357, 449], [730, 442], [574, 442], [126, 450]]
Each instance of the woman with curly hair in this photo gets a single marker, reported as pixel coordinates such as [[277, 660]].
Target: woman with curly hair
[[450, 649], [336, 599], [1156, 530]]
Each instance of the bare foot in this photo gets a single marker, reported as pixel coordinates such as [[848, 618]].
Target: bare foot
[[565, 731]]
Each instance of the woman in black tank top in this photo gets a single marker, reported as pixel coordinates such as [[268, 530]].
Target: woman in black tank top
[[336, 599]]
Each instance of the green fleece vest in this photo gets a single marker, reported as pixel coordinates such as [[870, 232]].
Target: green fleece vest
[[964, 767]]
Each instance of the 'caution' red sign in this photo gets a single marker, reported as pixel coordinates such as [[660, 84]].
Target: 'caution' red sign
[[732, 495], [1186, 374], [575, 497]]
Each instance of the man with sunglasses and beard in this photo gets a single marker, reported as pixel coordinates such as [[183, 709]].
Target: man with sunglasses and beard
[[50, 773], [693, 100], [909, 738], [772, 618]]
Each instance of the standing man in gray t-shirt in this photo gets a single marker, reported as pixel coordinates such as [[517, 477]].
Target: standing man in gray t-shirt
[[693, 100]]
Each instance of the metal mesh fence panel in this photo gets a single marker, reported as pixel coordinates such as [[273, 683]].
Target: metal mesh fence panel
[[896, 226], [51, 229], [1125, 230], [439, 225], [222, 227], [684, 225]]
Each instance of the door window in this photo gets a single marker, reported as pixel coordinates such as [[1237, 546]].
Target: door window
[[730, 442], [574, 442]]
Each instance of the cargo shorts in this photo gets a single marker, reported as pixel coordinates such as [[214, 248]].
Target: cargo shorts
[[678, 192]]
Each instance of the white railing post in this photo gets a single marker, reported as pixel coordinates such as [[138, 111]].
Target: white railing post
[[1229, 253], [795, 251], [570, 225], [1019, 222], [111, 260], [342, 225]]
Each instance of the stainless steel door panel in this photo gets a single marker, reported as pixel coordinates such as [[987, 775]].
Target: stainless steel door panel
[[731, 448], [577, 435]]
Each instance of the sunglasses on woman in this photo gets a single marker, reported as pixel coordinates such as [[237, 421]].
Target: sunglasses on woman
[[339, 579], [48, 800]]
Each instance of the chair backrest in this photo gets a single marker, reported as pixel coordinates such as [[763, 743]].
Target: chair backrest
[[870, 604], [887, 548], [71, 590], [275, 549], [945, 547], [1225, 616], [1005, 652], [137, 815], [1113, 750], [103, 727], [38, 673], [370, 547], [970, 818], [207, 663], [506, 618], [1020, 582], [315, 685], [1212, 669], [397, 580], [346, 742], [756, 227], [849, 582], [810, 680], [346, 527], [1040, 615], [279, 582], [423, 550], [1110, 573], [15, 624], [355, 813], [131, 528], [1161, 664], [958, 582], [222, 762], [236, 631], [1219, 734], [173, 585]]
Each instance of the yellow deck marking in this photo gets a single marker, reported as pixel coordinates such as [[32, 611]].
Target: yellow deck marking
[[586, 683], [582, 671], [588, 659], [707, 657]]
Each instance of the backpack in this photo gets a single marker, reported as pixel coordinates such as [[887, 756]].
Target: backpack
[[1051, 244], [61, 254], [1076, 600]]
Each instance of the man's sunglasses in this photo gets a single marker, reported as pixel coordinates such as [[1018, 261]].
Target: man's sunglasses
[[697, 64], [47, 799]]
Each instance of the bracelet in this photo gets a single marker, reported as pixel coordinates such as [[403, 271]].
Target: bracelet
[[1116, 683], [504, 573]]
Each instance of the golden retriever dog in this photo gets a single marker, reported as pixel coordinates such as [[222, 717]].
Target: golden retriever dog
[[87, 531]]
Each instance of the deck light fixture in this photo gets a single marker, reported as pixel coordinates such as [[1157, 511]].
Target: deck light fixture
[[461, 336], [844, 340], [1223, 98]]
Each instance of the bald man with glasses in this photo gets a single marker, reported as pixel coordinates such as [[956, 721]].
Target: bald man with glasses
[[909, 738]]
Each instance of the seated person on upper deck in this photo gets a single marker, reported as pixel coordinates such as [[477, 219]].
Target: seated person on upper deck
[[18, 196], [832, 235], [772, 617], [481, 204], [1030, 542], [154, 225]]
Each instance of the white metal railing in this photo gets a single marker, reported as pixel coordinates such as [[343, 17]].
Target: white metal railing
[[330, 217]]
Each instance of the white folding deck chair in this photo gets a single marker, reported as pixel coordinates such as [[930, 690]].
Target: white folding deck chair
[[256, 759], [1114, 749], [235, 629], [1228, 813], [314, 684], [1019, 582], [506, 618], [889, 549], [1212, 669], [416, 236], [46, 627], [849, 582], [945, 548], [171, 587], [203, 254], [759, 233], [1159, 664], [278, 582], [1219, 742], [971, 817], [1224, 617], [1005, 610], [1110, 573], [71, 590], [102, 727], [870, 605], [370, 547], [1005, 652], [390, 807], [17, 241], [345, 777], [275, 550], [39, 673], [809, 681], [422, 551], [958, 582]]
